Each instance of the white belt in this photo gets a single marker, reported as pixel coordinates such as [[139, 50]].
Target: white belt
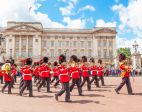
[[85, 70], [27, 74], [66, 74]]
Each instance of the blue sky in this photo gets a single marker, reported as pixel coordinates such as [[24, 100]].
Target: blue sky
[[125, 15]]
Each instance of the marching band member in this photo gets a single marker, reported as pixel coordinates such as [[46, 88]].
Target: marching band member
[[75, 74], [64, 79], [45, 75], [55, 74], [1, 76], [6, 71], [85, 73], [27, 77], [100, 69], [93, 69], [125, 72]]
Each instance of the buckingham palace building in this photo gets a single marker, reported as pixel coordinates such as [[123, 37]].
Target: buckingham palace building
[[30, 39]]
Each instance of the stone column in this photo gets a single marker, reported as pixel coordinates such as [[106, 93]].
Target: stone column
[[20, 43], [13, 46], [27, 46], [94, 47]]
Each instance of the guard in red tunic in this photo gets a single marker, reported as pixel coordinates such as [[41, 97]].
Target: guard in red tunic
[[36, 72], [27, 77], [45, 75], [125, 72], [75, 74], [93, 69], [6, 71], [1, 76], [100, 69], [55, 74], [64, 79], [85, 73]]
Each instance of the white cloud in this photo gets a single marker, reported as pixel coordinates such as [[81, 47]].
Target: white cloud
[[87, 7], [66, 11], [18, 10], [123, 42], [102, 23], [130, 16], [74, 23]]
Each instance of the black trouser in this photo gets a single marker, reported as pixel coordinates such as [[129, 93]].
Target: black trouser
[[96, 80], [77, 83], [86, 79], [15, 78], [55, 78], [36, 78], [45, 81], [102, 80], [1, 79], [126, 81], [27, 84], [39, 81], [65, 87], [9, 84]]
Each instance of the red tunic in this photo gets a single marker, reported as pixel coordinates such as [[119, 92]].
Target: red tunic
[[85, 71], [44, 71], [14, 71], [55, 71], [26, 72], [75, 72], [6, 76], [63, 74], [125, 70], [100, 70], [94, 70]]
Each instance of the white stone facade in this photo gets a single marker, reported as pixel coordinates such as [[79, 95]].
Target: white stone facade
[[30, 39]]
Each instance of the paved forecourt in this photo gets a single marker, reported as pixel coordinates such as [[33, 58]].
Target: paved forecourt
[[102, 99]]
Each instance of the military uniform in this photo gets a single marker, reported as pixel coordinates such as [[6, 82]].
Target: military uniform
[[75, 75], [94, 75], [55, 76], [45, 76], [100, 72], [85, 75], [7, 77], [27, 78], [64, 79], [125, 71]]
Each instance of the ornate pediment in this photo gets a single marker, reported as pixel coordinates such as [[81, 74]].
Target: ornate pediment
[[23, 27], [105, 30]]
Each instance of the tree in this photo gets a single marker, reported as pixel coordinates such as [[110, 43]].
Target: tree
[[126, 51]]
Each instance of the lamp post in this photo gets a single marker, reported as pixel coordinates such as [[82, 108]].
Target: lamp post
[[136, 56], [135, 46]]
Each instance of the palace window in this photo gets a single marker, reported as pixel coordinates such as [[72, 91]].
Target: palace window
[[82, 43], [89, 53], [99, 43], [105, 53], [104, 43], [52, 43], [89, 44]]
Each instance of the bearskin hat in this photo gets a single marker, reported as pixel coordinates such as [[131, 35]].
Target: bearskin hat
[[74, 58], [55, 63], [92, 60], [29, 61], [122, 57], [62, 58], [100, 61], [45, 59], [84, 59]]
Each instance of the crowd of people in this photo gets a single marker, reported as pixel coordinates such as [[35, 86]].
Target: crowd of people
[[75, 72]]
